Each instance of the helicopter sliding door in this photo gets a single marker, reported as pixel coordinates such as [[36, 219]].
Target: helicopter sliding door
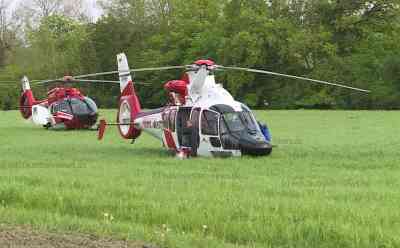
[[184, 132], [210, 141]]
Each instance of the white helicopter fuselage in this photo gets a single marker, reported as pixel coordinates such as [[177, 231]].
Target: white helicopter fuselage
[[165, 123], [202, 118]]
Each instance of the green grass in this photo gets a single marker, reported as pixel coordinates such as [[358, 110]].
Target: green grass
[[333, 181]]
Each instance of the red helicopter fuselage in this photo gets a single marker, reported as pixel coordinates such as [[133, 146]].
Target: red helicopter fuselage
[[65, 107]]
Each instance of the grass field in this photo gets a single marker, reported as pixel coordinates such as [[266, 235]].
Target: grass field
[[333, 181]]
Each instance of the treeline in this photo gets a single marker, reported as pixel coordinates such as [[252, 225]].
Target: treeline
[[357, 42]]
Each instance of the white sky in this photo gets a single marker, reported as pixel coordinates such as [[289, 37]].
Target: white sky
[[94, 10]]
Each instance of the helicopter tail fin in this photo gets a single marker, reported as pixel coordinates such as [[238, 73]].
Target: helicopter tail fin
[[125, 78], [129, 104], [27, 100]]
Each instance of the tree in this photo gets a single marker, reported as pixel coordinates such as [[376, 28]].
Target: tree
[[334, 40], [48, 7], [5, 33]]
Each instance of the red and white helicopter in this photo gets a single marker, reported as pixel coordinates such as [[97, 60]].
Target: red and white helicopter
[[64, 108], [202, 118]]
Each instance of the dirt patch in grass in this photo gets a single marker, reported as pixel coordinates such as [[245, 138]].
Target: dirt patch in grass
[[25, 237]]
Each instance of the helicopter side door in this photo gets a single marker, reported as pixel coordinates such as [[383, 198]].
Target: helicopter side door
[[170, 138], [210, 143], [61, 112], [184, 132]]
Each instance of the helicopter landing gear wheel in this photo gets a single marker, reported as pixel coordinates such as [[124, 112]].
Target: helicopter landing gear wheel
[[47, 126]]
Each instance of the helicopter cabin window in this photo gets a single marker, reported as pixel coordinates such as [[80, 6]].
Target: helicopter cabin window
[[165, 118], [172, 118], [209, 123], [194, 117], [62, 106]]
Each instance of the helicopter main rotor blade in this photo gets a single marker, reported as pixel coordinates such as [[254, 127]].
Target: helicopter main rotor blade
[[159, 68], [292, 77], [74, 80], [105, 81], [96, 74], [8, 82], [133, 70], [46, 81], [96, 81]]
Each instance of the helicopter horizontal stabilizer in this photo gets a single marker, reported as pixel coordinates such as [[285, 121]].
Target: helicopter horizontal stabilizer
[[102, 129], [103, 125]]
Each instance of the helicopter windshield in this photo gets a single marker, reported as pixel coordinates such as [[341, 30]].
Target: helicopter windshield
[[237, 122], [79, 107], [91, 103]]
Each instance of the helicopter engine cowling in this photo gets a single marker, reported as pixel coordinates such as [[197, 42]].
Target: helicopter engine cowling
[[128, 111], [177, 90]]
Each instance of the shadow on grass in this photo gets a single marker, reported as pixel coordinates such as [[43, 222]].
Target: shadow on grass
[[127, 151]]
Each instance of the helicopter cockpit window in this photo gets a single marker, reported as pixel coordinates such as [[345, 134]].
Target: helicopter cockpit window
[[79, 107], [233, 122], [248, 120], [92, 105], [209, 123]]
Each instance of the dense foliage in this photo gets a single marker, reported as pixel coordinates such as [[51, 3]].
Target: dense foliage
[[356, 42]]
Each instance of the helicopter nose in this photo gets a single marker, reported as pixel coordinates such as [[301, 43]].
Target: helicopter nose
[[88, 119], [93, 118], [255, 147]]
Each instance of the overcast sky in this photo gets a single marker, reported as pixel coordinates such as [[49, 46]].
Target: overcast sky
[[93, 8]]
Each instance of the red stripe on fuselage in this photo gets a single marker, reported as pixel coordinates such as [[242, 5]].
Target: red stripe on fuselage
[[62, 115], [169, 139]]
